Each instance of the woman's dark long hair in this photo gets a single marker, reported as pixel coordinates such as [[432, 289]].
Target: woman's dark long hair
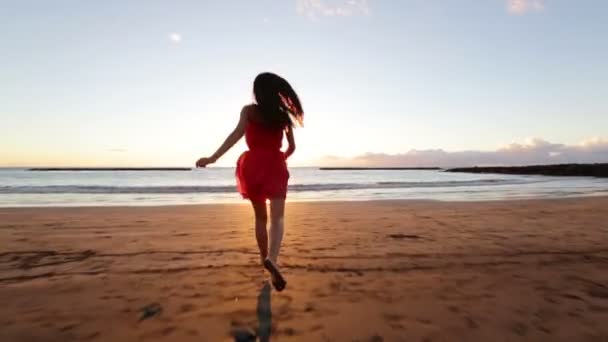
[[277, 101]]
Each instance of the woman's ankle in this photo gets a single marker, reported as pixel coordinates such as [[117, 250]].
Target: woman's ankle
[[273, 259]]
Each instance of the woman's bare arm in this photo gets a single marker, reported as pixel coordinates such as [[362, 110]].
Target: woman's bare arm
[[291, 147], [232, 139]]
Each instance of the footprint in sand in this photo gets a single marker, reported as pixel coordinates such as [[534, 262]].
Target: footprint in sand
[[394, 321], [92, 336], [598, 291], [68, 327], [168, 330], [471, 323], [376, 338], [400, 236], [519, 328], [187, 308], [316, 327]]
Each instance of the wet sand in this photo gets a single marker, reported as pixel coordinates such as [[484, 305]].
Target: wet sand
[[532, 270]]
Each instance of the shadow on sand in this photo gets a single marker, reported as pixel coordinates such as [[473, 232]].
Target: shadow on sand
[[264, 314]]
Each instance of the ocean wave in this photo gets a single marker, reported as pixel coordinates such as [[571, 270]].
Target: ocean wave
[[94, 189]]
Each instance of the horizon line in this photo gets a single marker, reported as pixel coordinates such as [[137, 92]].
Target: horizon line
[[171, 168]]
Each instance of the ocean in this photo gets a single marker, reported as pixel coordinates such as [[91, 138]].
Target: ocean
[[25, 188]]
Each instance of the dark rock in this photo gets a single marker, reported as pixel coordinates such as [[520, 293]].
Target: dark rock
[[590, 170], [150, 310], [376, 168]]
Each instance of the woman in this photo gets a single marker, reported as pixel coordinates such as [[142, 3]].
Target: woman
[[261, 172]]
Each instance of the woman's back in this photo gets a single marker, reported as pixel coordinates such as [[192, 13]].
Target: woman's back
[[260, 136]]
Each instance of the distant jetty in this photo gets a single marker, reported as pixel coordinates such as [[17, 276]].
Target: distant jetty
[[110, 169], [376, 168], [588, 170]]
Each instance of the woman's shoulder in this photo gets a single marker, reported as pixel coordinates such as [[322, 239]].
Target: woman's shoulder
[[252, 112]]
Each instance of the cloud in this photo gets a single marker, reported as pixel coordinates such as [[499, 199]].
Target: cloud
[[519, 7], [331, 8], [118, 150], [531, 152], [175, 37], [595, 144]]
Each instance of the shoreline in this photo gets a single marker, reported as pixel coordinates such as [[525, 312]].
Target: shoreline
[[315, 201], [86, 169]]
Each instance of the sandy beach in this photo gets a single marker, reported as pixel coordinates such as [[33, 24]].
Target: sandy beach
[[534, 270]]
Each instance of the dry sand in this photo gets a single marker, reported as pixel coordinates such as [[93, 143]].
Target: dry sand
[[360, 271]]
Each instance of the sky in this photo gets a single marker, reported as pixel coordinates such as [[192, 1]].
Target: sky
[[399, 83]]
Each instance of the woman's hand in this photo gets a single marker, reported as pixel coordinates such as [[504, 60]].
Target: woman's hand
[[203, 162]]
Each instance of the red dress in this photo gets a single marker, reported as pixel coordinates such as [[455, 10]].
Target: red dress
[[261, 172]]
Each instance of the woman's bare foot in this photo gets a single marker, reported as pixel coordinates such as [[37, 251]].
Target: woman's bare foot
[[278, 281]]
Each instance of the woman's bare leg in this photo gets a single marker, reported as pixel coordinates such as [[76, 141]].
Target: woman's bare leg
[[277, 211], [261, 235]]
